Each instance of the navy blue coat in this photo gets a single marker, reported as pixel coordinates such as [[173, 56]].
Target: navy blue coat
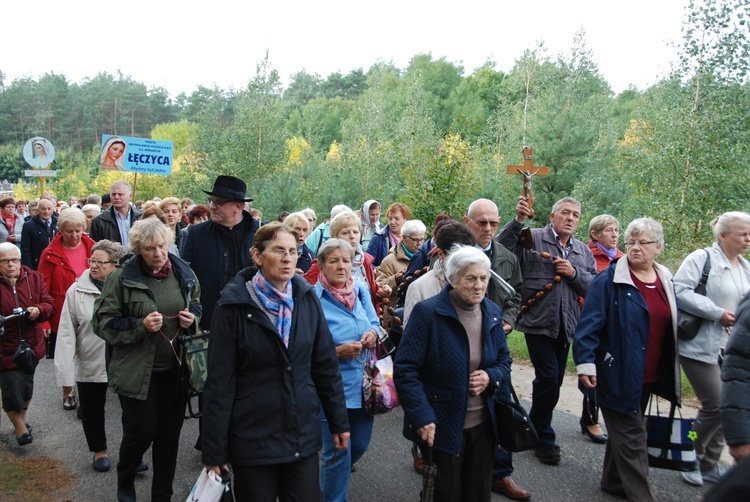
[[379, 245], [612, 336], [206, 252], [432, 368], [262, 401], [35, 238]]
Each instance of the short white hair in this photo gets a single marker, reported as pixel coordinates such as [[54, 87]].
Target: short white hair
[[413, 227], [7, 247], [460, 258]]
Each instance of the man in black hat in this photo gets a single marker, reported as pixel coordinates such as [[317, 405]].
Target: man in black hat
[[219, 248]]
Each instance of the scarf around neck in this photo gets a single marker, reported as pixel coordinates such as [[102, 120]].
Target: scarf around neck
[[279, 303], [611, 253], [165, 271], [408, 253], [345, 294]]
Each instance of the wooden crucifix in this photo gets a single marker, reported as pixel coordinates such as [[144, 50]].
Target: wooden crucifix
[[528, 170]]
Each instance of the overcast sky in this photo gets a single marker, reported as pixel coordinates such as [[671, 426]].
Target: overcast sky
[[180, 45]]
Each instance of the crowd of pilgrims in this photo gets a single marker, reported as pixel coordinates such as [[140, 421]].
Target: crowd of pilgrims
[[294, 307]]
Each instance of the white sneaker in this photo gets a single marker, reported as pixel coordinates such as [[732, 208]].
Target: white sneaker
[[714, 475], [693, 478]]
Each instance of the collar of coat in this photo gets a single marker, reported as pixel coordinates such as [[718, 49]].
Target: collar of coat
[[445, 307], [622, 273], [131, 271], [548, 235]]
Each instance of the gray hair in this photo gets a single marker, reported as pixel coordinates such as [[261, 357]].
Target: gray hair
[[91, 207], [6, 247], [47, 201], [413, 227], [72, 216], [113, 249], [94, 199], [146, 232], [330, 246], [121, 183], [599, 223], [309, 213], [337, 210], [460, 258], [641, 226], [295, 218], [727, 221], [565, 200]]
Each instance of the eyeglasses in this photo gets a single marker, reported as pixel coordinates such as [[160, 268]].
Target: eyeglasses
[[417, 241], [216, 202], [5, 261], [281, 253], [484, 223], [98, 263], [643, 244]]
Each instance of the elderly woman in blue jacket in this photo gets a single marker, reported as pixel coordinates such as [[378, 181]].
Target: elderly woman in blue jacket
[[353, 324], [626, 348], [449, 364]]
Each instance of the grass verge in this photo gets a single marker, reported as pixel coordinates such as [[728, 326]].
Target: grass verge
[[32, 479]]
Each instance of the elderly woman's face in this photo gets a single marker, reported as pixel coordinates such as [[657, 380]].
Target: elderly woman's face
[[609, 236], [155, 254], [737, 241], [172, 212], [472, 283], [278, 259], [71, 235], [350, 234], [642, 250], [101, 265], [412, 242], [9, 209], [10, 265], [337, 267], [395, 221], [300, 231], [90, 215]]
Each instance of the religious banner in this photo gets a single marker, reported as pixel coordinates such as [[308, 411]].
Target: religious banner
[[39, 153], [136, 155]]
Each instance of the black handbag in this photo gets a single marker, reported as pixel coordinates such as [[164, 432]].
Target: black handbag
[[689, 324], [515, 430], [670, 440], [25, 358]]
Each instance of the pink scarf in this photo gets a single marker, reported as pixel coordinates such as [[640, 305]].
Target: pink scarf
[[345, 295]]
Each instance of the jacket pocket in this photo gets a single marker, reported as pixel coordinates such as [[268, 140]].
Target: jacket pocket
[[435, 393]]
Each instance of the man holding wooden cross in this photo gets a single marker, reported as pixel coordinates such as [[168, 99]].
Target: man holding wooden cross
[[548, 320]]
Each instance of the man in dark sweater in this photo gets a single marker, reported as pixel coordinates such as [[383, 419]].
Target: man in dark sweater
[[114, 223]]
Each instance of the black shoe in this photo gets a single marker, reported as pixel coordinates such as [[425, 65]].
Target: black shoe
[[143, 467], [28, 428], [24, 439], [101, 464], [548, 454], [596, 438], [615, 493]]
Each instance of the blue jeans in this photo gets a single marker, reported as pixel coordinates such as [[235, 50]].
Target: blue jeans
[[336, 465]]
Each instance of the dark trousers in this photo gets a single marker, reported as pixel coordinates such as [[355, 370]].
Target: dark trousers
[[626, 455], [589, 407], [92, 397], [157, 420], [469, 475], [503, 465], [549, 357], [292, 482]]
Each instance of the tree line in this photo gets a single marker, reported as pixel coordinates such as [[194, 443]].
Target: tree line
[[431, 135]]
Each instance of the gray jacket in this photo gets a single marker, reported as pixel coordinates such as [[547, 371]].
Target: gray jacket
[[543, 317], [721, 289]]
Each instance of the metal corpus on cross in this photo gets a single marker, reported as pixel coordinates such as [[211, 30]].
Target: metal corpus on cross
[[528, 170]]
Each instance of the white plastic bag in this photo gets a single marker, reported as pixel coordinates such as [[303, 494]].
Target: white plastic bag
[[208, 488]]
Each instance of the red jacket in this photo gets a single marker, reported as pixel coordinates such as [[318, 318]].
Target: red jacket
[[312, 277], [58, 274], [602, 260], [30, 291]]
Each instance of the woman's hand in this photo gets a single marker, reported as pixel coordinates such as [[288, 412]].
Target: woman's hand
[[727, 319], [33, 313], [186, 318], [399, 277], [153, 322], [427, 433], [368, 339], [588, 381], [217, 469], [384, 291], [478, 381], [349, 350]]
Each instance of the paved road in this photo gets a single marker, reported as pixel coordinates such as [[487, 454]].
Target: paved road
[[383, 475]]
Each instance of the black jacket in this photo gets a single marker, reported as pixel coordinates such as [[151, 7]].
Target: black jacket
[[262, 401], [35, 238], [105, 226], [206, 251]]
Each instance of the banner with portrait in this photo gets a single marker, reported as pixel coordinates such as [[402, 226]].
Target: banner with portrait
[[136, 155]]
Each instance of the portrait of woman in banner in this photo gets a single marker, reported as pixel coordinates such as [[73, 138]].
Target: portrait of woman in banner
[[113, 154], [38, 152]]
